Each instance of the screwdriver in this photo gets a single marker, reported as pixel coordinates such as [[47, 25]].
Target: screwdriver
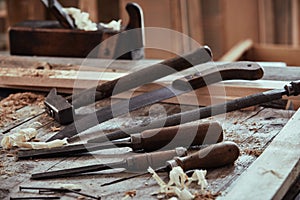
[[186, 135], [134, 163], [213, 156]]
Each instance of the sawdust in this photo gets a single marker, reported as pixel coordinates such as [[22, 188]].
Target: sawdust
[[206, 196], [54, 128], [13, 102], [253, 152]]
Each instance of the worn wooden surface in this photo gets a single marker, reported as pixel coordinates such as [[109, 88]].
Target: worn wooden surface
[[252, 130]]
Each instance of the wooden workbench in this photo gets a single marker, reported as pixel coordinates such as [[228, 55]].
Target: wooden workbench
[[254, 130]]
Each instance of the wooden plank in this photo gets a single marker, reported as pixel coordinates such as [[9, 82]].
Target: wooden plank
[[91, 7], [44, 80], [282, 14], [241, 14], [295, 22], [266, 21], [195, 21], [275, 53], [237, 51], [270, 176]]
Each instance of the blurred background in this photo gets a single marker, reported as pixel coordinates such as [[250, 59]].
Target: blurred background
[[221, 24]]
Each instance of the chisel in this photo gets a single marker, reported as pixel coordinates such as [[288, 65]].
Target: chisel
[[134, 163], [213, 156], [186, 135]]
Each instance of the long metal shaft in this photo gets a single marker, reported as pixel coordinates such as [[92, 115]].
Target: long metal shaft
[[199, 113], [69, 150], [78, 170]]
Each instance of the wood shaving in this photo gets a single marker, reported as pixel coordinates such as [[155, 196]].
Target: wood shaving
[[206, 196], [179, 182], [253, 152], [129, 194], [13, 102], [23, 135], [54, 128], [43, 145], [82, 19]]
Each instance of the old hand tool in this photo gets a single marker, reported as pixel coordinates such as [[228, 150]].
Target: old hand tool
[[31, 198], [57, 10], [134, 163], [62, 110], [59, 190], [213, 156], [293, 89], [151, 140], [240, 70]]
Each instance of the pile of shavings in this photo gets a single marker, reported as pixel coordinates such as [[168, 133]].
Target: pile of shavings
[[22, 138], [82, 21], [179, 183]]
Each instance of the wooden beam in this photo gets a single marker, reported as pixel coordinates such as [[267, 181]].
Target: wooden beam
[[91, 7], [275, 53], [295, 22], [266, 21], [236, 52], [275, 170]]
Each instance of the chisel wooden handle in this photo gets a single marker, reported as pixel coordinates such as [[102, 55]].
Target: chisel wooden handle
[[141, 162], [143, 76], [216, 155], [230, 71], [183, 135]]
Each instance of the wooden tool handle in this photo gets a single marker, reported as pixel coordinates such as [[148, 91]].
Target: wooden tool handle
[[230, 71], [216, 155], [141, 162], [183, 135]]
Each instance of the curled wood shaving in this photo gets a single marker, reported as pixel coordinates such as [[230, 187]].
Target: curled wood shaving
[[42, 145], [23, 135], [54, 128], [179, 182], [129, 194]]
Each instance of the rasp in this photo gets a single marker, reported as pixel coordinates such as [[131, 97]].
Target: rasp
[[292, 89], [238, 70]]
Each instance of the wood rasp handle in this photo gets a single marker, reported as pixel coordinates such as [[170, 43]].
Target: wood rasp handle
[[213, 156], [182, 135], [230, 71]]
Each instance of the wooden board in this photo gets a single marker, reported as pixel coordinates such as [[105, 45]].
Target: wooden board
[[251, 130], [275, 53], [70, 81], [273, 173]]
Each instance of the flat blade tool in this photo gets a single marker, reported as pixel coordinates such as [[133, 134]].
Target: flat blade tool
[[135, 163], [213, 156], [187, 135]]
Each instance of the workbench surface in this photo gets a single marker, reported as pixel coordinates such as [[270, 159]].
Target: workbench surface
[[252, 129]]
